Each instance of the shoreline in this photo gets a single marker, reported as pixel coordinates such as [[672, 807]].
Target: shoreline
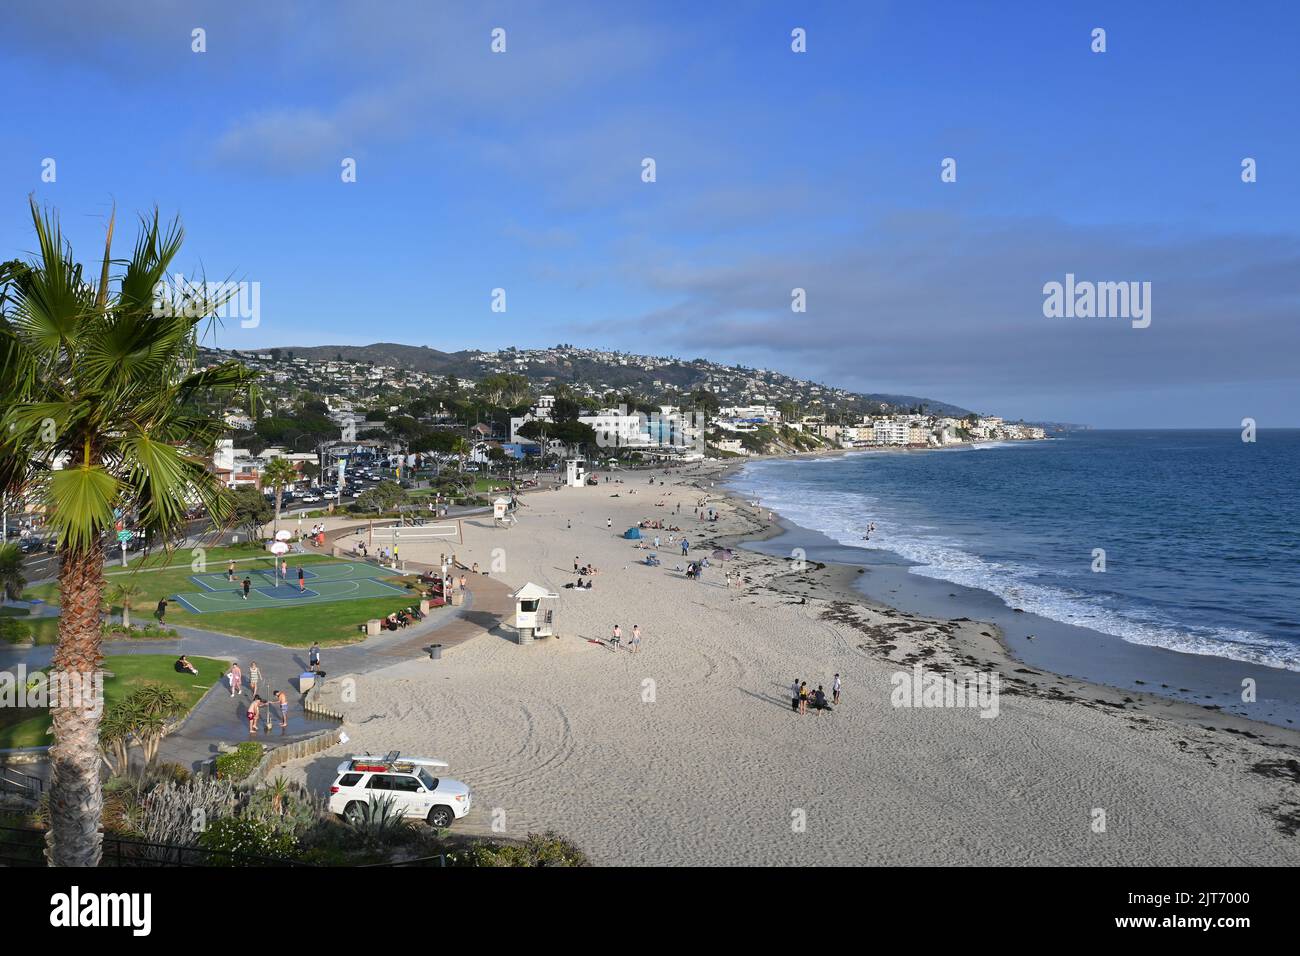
[[688, 753], [987, 646]]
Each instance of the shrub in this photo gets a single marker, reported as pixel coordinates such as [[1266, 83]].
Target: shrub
[[238, 765], [13, 631], [239, 841], [540, 849], [175, 813], [286, 807], [380, 821]]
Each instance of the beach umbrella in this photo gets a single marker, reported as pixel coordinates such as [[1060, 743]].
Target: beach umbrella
[[723, 554]]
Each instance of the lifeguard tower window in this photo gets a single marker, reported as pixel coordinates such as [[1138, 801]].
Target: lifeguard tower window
[[529, 605]]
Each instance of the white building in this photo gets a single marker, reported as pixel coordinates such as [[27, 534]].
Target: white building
[[891, 433]]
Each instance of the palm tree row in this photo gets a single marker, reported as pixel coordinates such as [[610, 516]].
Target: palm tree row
[[104, 411]]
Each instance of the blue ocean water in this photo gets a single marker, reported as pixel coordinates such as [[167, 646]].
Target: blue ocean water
[[1200, 529]]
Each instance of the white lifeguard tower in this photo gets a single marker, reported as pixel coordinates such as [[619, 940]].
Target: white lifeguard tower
[[575, 476], [503, 514], [531, 619]]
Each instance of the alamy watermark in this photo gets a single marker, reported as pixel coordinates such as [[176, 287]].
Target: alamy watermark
[[70, 690], [679, 431], [221, 300], [977, 690], [1100, 300]]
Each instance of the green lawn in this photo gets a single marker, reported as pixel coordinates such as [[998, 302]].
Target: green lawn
[[13, 611], [331, 623], [25, 728]]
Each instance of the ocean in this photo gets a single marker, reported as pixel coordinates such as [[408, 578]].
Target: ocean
[[1183, 540]]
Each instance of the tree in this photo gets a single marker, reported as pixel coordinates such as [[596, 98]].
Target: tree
[[12, 581], [126, 596], [385, 496], [249, 510], [278, 473], [151, 710], [99, 376]]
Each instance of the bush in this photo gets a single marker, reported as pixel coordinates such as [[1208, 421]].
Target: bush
[[239, 841], [171, 811], [13, 631], [238, 765], [540, 849]]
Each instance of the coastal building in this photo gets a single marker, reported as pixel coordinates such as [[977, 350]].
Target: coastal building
[[891, 433]]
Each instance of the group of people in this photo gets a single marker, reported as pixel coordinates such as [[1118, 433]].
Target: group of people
[[317, 535], [403, 617], [801, 697], [235, 676]]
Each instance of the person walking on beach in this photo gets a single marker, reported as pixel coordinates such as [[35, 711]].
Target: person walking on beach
[[609, 523], [686, 547], [634, 645], [254, 677], [576, 564], [835, 690], [803, 697], [794, 696], [617, 638], [313, 657], [236, 680], [247, 585]]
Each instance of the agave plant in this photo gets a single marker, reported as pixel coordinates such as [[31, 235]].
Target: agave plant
[[378, 820], [104, 412]]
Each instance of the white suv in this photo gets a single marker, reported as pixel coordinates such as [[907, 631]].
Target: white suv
[[406, 780]]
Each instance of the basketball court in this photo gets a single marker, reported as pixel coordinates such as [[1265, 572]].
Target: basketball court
[[322, 583]]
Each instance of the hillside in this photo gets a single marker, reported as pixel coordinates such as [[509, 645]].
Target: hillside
[[648, 375]]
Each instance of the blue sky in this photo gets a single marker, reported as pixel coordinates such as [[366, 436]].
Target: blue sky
[[775, 170]]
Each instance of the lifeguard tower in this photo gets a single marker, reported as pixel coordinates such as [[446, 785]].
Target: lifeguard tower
[[503, 513], [575, 475], [531, 619]]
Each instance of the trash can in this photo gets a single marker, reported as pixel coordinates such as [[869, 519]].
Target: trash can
[[435, 652]]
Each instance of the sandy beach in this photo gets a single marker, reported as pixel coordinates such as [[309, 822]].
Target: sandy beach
[[688, 752]]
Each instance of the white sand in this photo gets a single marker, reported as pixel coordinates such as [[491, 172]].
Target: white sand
[[688, 753]]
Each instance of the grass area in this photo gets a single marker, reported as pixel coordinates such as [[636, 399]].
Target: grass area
[[24, 727], [14, 612], [331, 624], [163, 575]]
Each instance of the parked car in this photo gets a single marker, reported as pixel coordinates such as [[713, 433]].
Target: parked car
[[408, 781]]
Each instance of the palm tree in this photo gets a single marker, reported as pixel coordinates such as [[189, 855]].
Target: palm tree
[[104, 410], [278, 473], [126, 596], [12, 581]]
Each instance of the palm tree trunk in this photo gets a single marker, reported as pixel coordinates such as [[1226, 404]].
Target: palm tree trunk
[[76, 803], [279, 490]]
